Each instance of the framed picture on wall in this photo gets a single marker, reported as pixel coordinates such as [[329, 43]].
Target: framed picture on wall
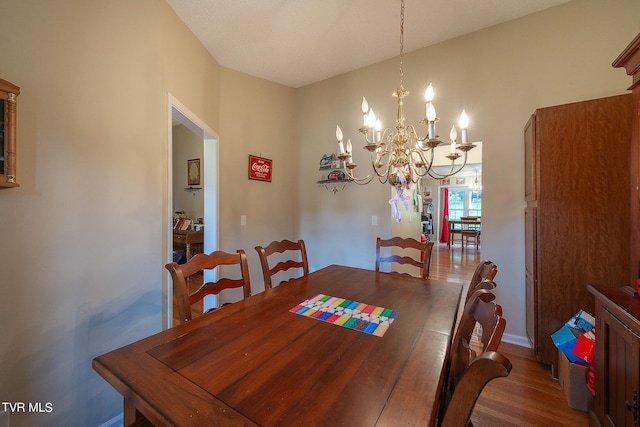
[[193, 172], [260, 168]]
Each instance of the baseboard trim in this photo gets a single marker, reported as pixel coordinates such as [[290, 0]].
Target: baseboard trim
[[117, 421], [517, 340]]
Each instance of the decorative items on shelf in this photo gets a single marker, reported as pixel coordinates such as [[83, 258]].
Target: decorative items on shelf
[[332, 177], [183, 222]]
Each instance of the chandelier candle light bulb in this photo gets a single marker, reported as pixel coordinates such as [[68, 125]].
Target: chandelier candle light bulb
[[428, 96], [453, 135], [365, 110], [339, 137], [464, 122], [431, 118], [350, 163], [371, 125]]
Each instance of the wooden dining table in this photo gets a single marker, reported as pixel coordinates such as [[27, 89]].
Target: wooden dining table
[[257, 363], [457, 226]]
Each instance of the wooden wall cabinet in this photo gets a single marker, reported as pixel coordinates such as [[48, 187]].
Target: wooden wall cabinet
[[577, 213], [630, 60], [8, 99], [617, 357]]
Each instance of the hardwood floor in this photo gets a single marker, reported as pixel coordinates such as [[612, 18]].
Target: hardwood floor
[[529, 396]]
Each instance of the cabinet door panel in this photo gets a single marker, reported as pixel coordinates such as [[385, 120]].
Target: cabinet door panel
[[620, 364], [530, 275], [530, 188]]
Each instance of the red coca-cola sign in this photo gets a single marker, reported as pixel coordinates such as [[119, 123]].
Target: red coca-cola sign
[[260, 168]]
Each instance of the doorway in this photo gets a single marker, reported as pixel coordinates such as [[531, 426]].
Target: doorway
[[180, 115]]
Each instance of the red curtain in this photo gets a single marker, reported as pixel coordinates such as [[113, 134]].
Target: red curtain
[[444, 230]]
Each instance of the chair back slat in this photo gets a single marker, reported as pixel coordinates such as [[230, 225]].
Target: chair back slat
[[485, 272], [479, 309], [182, 273], [423, 262], [280, 247]]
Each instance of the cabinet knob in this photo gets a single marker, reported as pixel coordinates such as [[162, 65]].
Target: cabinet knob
[[633, 408]]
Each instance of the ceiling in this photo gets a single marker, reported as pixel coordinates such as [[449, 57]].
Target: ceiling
[[298, 42]]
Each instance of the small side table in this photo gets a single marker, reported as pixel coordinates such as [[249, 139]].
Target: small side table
[[189, 239]]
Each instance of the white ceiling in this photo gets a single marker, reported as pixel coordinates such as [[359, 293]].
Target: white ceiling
[[298, 42]]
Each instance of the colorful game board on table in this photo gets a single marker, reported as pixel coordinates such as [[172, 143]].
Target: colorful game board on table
[[366, 318]]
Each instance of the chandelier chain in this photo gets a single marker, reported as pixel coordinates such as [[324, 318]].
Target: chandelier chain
[[401, 41]]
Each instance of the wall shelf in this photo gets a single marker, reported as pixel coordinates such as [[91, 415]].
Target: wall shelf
[[335, 185]]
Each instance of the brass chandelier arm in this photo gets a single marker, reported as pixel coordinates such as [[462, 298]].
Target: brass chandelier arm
[[435, 175], [412, 131]]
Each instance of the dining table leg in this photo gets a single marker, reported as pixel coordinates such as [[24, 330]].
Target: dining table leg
[[131, 415]]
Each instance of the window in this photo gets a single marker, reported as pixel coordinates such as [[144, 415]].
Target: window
[[464, 202]]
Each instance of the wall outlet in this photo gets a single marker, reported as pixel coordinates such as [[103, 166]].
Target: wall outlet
[[243, 220], [374, 220]]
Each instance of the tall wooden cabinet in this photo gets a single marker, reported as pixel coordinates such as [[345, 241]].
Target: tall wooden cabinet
[[577, 214], [630, 60]]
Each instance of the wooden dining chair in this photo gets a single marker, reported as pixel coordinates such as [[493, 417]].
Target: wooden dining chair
[[298, 260], [486, 367], [480, 309], [453, 231], [181, 275], [422, 261], [470, 232], [483, 275]]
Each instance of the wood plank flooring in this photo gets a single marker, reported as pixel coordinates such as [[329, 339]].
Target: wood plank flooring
[[529, 396]]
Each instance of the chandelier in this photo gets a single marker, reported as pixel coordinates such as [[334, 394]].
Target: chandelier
[[399, 156], [476, 187]]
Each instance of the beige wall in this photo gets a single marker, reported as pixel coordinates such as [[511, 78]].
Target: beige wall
[[83, 239], [500, 76], [258, 118]]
